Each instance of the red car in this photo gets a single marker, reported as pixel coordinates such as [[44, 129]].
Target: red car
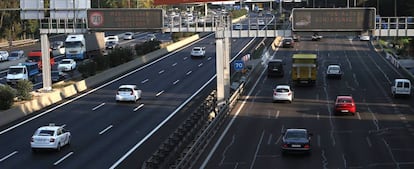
[[345, 104]]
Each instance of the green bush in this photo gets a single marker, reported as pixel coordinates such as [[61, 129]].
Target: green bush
[[102, 62], [87, 68], [7, 95], [120, 55], [176, 36], [147, 47], [23, 88], [238, 13]]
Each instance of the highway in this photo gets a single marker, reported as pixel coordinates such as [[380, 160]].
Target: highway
[[379, 136], [139, 37], [103, 131]]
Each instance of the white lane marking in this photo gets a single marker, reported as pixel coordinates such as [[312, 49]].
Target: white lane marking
[[403, 118], [269, 140], [97, 107], [174, 64], [8, 156], [175, 82], [63, 158], [161, 71], [159, 93], [145, 81], [257, 150], [189, 72], [140, 106], [368, 141], [343, 157], [319, 140], [278, 139], [277, 114], [209, 58], [201, 64], [359, 116], [324, 160], [185, 58], [317, 116], [106, 129], [268, 114], [223, 155]]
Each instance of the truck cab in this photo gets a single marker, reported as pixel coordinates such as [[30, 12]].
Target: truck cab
[[22, 71], [75, 47], [401, 87], [36, 56]]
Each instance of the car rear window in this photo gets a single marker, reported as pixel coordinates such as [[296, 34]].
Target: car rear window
[[46, 132], [124, 89], [65, 62], [295, 135], [282, 90], [344, 101]]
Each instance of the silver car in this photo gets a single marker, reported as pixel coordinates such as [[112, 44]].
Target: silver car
[[282, 93]]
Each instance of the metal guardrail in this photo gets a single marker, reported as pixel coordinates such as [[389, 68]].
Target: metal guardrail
[[18, 43]]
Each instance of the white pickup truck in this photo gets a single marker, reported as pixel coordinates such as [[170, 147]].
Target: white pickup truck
[[401, 87]]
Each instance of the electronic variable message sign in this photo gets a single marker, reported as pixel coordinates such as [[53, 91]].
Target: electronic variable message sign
[[125, 19], [170, 2], [333, 19]]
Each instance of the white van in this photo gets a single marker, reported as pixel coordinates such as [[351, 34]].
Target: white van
[[401, 87]]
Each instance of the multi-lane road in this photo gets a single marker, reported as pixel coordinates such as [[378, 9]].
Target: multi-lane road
[[379, 136], [103, 131]]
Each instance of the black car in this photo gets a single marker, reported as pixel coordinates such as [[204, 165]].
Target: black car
[[275, 68], [296, 140], [111, 44], [288, 43]]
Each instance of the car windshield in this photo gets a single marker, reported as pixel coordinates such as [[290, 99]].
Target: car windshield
[[333, 68], [14, 54], [196, 49], [73, 44], [295, 135], [46, 133], [15, 70]]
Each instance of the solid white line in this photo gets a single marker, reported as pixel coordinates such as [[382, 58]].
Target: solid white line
[[97, 107], [140, 106], [257, 150], [189, 72], [159, 93], [359, 116], [106, 129], [161, 71], [201, 64], [145, 81], [175, 82], [8, 156], [63, 158], [343, 157], [174, 64]]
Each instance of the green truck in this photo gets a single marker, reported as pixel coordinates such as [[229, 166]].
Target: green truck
[[304, 69]]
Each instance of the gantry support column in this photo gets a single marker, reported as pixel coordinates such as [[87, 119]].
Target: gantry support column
[[222, 66], [46, 70]]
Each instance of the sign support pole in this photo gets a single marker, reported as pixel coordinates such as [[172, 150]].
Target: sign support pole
[[46, 68]]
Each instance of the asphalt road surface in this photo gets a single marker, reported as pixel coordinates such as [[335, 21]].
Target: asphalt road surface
[[103, 131], [379, 136]]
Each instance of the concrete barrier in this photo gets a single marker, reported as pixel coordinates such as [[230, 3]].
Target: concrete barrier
[[42, 100]]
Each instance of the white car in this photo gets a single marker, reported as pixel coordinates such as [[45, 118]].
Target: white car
[[260, 22], [334, 71], [364, 38], [16, 55], [198, 52], [128, 93], [128, 35], [50, 137], [282, 93], [67, 65], [4, 55]]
